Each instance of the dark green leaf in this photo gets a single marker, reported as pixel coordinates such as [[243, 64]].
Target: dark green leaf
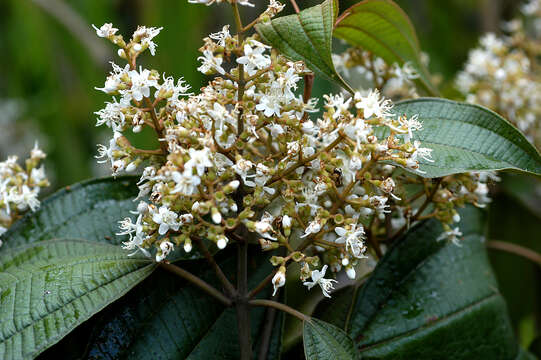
[[88, 210], [323, 341], [48, 288], [381, 27], [467, 137], [166, 318], [433, 300], [306, 36]]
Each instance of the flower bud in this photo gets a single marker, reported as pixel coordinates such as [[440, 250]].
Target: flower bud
[[216, 216], [279, 279], [350, 272], [188, 245], [222, 242]]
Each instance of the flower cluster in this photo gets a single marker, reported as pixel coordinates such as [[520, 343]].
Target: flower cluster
[[20, 187], [502, 72], [395, 81], [243, 160]]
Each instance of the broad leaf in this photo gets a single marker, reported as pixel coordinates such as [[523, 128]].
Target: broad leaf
[[48, 288], [323, 341], [382, 27], [306, 36], [465, 137], [431, 299], [166, 318], [88, 210]]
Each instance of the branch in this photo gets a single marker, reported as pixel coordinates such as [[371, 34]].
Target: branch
[[516, 250], [200, 283], [281, 307], [219, 273]]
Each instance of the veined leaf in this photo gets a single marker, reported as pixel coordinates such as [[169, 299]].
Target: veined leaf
[[306, 36], [48, 288], [382, 27], [167, 318], [465, 137], [88, 210], [430, 299], [323, 341]]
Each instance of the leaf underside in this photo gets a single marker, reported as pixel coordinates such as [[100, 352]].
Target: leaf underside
[[49, 288], [465, 137]]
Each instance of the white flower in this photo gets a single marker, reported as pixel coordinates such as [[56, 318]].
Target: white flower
[[242, 167], [352, 236], [112, 115], [199, 159], [167, 220], [359, 131], [270, 104], [420, 152], [264, 226], [338, 103], [144, 36], [26, 198], [141, 82], [37, 153], [114, 80], [221, 36], [451, 235], [166, 247], [209, 62], [186, 182], [372, 105], [106, 30], [387, 186], [318, 279], [172, 90], [313, 228], [379, 203]]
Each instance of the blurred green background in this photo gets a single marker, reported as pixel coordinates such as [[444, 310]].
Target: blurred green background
[[51, 61]]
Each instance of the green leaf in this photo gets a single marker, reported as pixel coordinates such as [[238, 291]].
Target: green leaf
[[467, 137], [48, 288], [382, 27], [88, 210], [166, 318], [431, 299], [306, 36], [323, 341]]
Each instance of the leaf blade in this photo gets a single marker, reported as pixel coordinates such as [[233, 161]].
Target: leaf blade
[[466, 137], [306, 36], [382, 27], [428, 299], [41, 302], [323, 341], [177, 320]]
